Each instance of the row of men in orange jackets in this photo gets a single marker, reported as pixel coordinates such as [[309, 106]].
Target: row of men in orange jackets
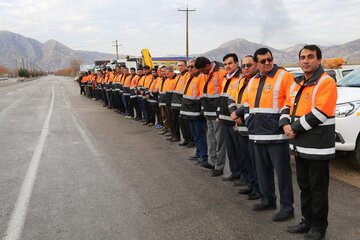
[[249, 113]]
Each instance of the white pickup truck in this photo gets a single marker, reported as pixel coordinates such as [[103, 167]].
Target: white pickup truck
[[336, 73], [347, 135]]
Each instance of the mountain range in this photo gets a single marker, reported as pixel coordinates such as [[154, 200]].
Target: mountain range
[[17, 50], [289, 56]]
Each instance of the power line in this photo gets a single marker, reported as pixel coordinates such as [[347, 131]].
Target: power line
[[187, 10]]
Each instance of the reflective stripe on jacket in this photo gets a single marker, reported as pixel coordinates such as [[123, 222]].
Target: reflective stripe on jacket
[[191, 101], [212, 89], [310, 109], [227, 88], [264, 97]]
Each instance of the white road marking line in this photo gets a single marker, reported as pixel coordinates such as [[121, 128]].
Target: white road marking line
[[81, 130], [18, 215], [13, 104], [9, 93]]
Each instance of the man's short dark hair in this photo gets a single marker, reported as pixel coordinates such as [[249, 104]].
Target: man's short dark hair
[[201, 62], [248, 56], [231, 55], [312, 48], [183, 61], [140, 69], [154, 69], [146, 67], [261, 51], [133, 69]]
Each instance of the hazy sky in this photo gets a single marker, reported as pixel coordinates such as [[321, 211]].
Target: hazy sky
[[157, 24]]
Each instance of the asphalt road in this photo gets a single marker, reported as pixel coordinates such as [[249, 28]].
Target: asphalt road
[[71, 169]]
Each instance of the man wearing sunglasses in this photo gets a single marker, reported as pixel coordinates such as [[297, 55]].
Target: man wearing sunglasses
[[246, 147], [264, 98], [191, 111]]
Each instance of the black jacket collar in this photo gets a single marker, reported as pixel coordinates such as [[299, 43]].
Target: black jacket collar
[[313, 80], [269, 74]]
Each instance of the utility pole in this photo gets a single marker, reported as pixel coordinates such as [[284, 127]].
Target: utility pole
[[187, 10], [117, 49]]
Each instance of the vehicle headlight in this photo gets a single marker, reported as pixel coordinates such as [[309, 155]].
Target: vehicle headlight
[[346, 109]]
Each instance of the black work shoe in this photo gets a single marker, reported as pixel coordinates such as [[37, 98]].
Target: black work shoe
[[230, 178], [246, 190], [283, 216], [240, 183], [195, 157], [191, 145], [206, 165], [184, 143], [314, 235], [254, 196], [263, 207], [216, 172], [302, 227]]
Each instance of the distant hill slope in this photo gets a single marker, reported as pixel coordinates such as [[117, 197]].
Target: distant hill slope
[[350, 51], [50, 55], [53, 55]]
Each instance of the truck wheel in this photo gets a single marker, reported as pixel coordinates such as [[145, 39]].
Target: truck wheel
[[355, 156]]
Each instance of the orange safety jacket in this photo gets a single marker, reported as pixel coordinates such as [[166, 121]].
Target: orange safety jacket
[[133, 86], [146, 81], [127, 85], [153, 97], [264, 98], [179, 89], [191, 99], [162, 91], [228, 86], [310, 109], [169, 88], [84, 79], [99, 79], [236, 103], [212, 90]]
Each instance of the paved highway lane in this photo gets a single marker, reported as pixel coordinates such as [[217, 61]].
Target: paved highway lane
[[101, 176]]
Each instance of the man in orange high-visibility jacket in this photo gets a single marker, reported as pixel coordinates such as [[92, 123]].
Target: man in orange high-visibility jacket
[[143, 85], [211, 102], [246, 148], [134, 94], [191, 110], [264, 98], [127, 93], [176, 98], [309, 121], [98, 84], [154, 97], [81, 83], [231, 81], [116, 92], [151, 102], [184, 125], [162, 84]]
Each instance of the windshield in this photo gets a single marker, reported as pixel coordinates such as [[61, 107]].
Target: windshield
[[351, 80]]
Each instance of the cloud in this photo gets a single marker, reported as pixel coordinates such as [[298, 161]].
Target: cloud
[[159, 26]]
